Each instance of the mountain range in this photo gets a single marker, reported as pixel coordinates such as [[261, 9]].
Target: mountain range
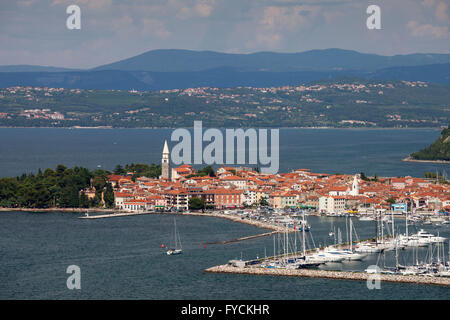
[[169, 69]]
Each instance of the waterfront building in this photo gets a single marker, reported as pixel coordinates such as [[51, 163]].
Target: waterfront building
[[228, 198]]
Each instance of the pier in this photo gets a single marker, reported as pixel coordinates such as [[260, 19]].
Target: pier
[[244, 238], [259, 224], [342, 275], [113, 215]]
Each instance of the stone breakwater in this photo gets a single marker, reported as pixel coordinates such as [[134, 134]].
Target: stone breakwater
[[342, 275], [259, 224]]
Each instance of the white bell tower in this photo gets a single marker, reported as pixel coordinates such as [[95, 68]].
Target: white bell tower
[[165, 162], [355, 186]]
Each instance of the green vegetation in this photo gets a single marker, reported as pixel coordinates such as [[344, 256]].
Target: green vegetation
[[65, 187], [196, 203], [60, 188], [334, 103], [139, 170], [263, 202], [365, 178], [206, 171], [439, 150], [391, 200]]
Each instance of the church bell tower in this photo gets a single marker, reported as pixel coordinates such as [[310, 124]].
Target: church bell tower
[[165, 162]]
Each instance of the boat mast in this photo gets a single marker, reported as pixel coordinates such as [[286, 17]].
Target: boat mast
[[351, 232], [303, 235], [346, 228], [396, 256], [406, 222], [393, 227], [175, 231], [295, 239], [274, 250]]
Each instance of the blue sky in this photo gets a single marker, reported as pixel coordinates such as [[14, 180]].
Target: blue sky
[[34, 31]]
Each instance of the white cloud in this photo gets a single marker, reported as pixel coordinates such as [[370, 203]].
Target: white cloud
[[26, 3], [427, 3], [288, 18], [199, 8], [441, 12], [425, 30], [89, 4], [155, 27]]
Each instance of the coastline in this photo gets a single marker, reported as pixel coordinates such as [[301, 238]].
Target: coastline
[[409, 159]]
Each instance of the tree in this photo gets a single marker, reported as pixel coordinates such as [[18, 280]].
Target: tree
[[196, 203], [263, 202], [109, 196], [119, 170], [364, 177], [390, 200], [84, 201]]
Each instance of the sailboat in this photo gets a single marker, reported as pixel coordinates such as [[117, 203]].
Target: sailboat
[[177, 249]]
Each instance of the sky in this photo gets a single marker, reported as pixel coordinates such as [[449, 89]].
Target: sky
[[34, 32]]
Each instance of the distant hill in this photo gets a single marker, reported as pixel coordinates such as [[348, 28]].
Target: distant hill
[[178, 69], [315, 60], [147, 81], [438, 73], [439, 150], [30, 68], [220, 77]]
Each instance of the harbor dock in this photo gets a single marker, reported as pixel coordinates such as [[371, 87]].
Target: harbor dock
[[342, 275], [259, 224], [112, 215], [244, 238]]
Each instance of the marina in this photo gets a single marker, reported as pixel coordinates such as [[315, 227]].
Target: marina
[[287, 260]]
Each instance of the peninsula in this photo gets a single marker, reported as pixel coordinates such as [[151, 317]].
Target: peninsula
[[438, 151]]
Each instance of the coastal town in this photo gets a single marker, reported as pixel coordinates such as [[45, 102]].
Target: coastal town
[[243, 187], [280, 202]]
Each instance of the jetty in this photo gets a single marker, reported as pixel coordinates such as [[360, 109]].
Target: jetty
[[114, 215], [244, 238], [259, 224], [340, 275]]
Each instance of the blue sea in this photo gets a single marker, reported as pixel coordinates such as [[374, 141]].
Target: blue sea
[[122, 258], [331, 151]]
